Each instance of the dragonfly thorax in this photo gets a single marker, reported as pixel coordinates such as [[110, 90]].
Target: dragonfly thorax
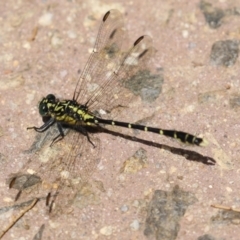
[[66, 111]]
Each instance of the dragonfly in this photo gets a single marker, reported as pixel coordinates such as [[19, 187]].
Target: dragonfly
[[100, 89]]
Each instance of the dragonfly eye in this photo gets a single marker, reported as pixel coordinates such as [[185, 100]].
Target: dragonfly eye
[[51, 98], [43, 107]]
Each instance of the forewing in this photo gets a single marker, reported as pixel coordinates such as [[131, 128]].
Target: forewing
[[101, 84], [113, 92], [104, 58]]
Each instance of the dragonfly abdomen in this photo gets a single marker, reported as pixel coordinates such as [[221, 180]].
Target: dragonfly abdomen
[[181, 136]]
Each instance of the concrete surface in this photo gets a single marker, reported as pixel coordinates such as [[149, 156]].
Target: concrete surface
[[168, 190]]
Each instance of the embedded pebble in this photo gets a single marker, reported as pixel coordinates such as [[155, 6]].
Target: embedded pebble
[[56, 40], [16, 21], [224, 53], [107, 230], [45, 19], [26, 45], [109, 192], [124, 208], [71, 34], [235, 101], [136, 203], [53, 224], [135, 225], [185, 33], [136, 162]]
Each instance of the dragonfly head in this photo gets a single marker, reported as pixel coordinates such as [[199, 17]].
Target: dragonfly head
[[46, 105]]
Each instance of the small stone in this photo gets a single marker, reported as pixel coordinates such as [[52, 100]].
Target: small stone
[[124, 208], [26, 45], [135, 225], [56, 40], [224, 53], [136, 203], [235, 101], [107, 230], [109, 192], [213, 15], [16, 21], [71, 34], [53, 224], [185, 33], [45, 19], [136, 162]]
